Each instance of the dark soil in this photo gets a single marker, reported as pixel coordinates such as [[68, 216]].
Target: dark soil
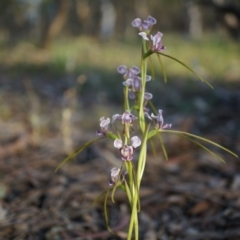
[[192, 196]]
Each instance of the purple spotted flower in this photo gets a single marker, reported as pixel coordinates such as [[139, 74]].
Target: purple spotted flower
[[144, 25], [114, 176], [159, 118], [104, 124], [125, 150], [135, 83], [156, 41], [126, 117], [147, 96], [128, 73]]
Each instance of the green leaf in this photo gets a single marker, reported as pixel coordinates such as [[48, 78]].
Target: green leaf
[[137, 190], [99, 197], [152, 133], [105, 212], [127, 189], [151, 67], [180, 133], [162, 146], [77, 151], [153, 148], [154, 110], [113, 193], [186, 66], [111, 135], [142, 156], [162, 68], [203, 147]]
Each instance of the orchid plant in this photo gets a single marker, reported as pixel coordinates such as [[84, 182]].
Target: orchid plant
[[136, 116]]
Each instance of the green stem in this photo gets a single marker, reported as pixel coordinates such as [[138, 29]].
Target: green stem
[[128, 192], [147, 54], [141, 94], [126, 100], [142, 158], [133, 221], [131, 181]]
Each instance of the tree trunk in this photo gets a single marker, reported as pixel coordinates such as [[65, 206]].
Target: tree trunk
[[195, 20], [54, 26]]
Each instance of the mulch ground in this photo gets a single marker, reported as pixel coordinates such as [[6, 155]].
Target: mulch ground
[[192, 196]]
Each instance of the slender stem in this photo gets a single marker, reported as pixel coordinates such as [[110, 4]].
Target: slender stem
[[142, 157], [136, 226], [140, 170], [131, 181], [133, 219], [142, 166], [128, 192], [141, 94], [126, 100]]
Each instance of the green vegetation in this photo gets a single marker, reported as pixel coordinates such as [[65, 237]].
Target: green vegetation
[[214, 57]]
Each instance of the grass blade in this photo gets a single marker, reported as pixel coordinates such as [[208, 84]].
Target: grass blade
[[202, 139], [162, 68], [186, 66], [77, 151]]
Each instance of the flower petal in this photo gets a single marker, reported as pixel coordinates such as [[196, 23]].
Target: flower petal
[[151, 20], [115, 172], [127, 117], [148, 96], [127, 153], [131, 94], [148, 78], [122, 69], [116, 116], [136, 142], [134, 70], [144, 35], [117, 143], [136, 84], [128, 82], [167, 125], [104, 122], [137, 22], [147, 115], [159, 117]]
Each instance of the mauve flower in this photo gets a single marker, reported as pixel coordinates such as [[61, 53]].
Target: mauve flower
[[135, 83], [128, 73], [156, 41], [144, 25], [147, 96], [127, 151], [126, 117], [160, 122], [104, 124], [144, 35], [131, 94], [114, 176]]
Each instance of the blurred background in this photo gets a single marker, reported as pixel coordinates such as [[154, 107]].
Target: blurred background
[[58, 62]]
